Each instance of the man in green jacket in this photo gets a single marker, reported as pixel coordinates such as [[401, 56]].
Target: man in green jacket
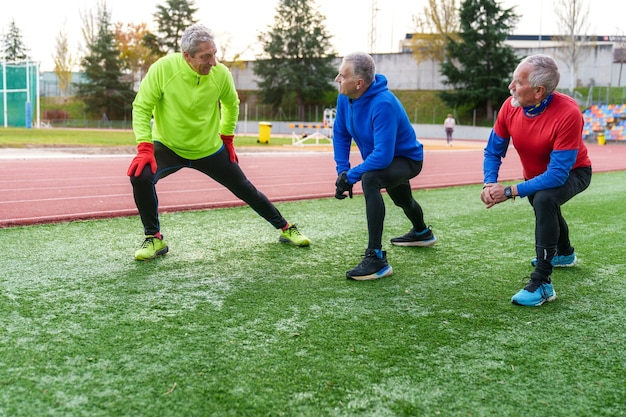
[[195, 106]]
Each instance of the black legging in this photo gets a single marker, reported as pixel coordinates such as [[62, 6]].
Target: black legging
[[395, 178], [551, 230], [216, 166]]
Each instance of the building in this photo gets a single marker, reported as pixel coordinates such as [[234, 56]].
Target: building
[[49, 84]]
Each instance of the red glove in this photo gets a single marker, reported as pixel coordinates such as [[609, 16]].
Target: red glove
[[145, 156], [228, 142]]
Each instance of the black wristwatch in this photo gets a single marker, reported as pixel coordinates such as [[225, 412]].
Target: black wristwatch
[[508, 192]]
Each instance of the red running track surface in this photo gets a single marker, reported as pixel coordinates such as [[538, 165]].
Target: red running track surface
[[64, 187]]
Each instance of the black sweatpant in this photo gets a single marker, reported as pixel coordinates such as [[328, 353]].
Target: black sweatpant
[[216, 166], [395, 179], [551, 230]]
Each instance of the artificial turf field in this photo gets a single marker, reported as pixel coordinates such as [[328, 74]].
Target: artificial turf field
[[233, 323]]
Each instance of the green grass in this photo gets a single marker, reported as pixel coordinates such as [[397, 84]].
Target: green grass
[[22, 137], [233, 323]]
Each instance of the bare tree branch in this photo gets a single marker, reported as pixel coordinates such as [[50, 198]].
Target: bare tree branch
[[63, 61], [573, 19], [434, 28]]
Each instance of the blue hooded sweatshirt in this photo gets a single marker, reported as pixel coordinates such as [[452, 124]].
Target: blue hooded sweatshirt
[[380, 128]]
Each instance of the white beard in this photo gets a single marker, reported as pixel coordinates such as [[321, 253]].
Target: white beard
[[515, 102]]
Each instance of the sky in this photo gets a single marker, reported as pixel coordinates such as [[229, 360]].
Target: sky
[[237, 23]]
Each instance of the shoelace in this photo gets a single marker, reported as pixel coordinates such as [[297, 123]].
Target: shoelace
[[293, 230], [532, 286], [369, 257], [148, 241]]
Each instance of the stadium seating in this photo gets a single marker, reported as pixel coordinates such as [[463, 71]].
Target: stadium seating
[[605, 120]]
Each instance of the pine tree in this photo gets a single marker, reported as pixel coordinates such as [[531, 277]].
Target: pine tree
[[172, 20], [298, 57], [104, 92], [13, 47], [479, 65]]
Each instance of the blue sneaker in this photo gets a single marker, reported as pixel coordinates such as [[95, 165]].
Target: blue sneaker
[[535, 293], [561, 261]]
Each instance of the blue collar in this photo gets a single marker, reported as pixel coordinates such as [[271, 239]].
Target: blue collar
[[537, 109]]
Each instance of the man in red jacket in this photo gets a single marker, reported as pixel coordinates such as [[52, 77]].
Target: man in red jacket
[[545, 128]]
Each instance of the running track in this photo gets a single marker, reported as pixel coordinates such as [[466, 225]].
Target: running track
[[45, 187]]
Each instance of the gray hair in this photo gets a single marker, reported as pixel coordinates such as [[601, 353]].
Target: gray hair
[[363, 66], [193, 36], [545, 72]]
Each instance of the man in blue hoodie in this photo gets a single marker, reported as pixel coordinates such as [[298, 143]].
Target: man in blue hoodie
[[372, 116]]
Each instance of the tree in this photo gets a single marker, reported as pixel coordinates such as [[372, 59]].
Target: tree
[[63, 62], [13, 47], [434, 28], [172, 20], [89, 25], [297, 56], [151, 41], [479, 65], [104, 93], [135, 56], [572, 18], [227, 56]]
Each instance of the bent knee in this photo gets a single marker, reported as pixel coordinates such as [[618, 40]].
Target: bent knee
[[146, 177], [545, 198]]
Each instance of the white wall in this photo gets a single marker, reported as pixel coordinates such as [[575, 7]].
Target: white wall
[[403, 72]]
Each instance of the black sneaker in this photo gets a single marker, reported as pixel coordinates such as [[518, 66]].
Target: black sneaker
[[423, 238], [371, 267]]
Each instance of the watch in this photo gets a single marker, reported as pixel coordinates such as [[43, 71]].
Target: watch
[[508, 192]]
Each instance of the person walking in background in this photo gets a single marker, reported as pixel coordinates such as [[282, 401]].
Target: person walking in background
[[449, 125], [545, 128], [195, 107], [369, 114]]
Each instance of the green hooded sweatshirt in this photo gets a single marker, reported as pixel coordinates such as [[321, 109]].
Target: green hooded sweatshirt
[[190, 110]]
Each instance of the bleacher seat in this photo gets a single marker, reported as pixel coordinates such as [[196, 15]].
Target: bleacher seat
[[607, 119]]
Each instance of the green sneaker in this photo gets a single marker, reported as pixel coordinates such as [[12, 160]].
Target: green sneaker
[[293, 236], [151, 248]]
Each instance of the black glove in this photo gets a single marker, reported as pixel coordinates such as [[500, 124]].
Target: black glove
[[343, 185]]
